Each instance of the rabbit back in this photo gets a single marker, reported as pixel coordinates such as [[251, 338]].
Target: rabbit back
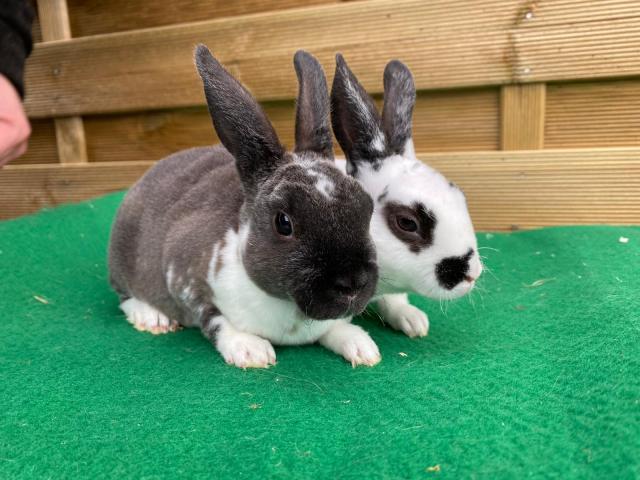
[[166, 226]]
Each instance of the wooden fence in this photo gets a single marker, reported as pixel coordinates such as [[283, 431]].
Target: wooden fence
[[532, 107]]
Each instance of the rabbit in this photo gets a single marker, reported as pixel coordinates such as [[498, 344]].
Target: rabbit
[[252, 244], [423, 233]]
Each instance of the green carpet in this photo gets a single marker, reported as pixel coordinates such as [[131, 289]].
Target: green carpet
[[537, 374]]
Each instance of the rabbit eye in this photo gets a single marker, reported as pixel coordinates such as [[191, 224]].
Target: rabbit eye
[[283, 224], [407, 224]]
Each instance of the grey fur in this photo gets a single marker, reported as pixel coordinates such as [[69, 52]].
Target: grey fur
[[241, 124], [313, 128], [399, 100], [356, 122], [175, 214]]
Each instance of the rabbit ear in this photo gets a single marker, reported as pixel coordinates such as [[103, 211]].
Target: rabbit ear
[[240, 122], [313, 130], [399, 100], [355, 119]]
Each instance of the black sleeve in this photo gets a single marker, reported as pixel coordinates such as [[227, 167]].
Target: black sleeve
[[16, 17]]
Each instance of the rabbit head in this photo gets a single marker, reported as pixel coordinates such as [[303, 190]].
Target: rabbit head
[[306, 224], [421, 226]]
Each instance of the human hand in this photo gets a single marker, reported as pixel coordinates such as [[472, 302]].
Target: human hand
[[14, 125]]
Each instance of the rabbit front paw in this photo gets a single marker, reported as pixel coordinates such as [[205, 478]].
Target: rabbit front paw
[[353, 343], [245, 350], [145, 318], [401, 315], [410, 320]]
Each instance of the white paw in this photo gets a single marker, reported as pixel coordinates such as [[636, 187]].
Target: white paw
[[409, 319], [353, 343], [361, 350], [245, 350], [145, 318]]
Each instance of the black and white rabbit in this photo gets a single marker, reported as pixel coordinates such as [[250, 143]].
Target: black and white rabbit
[[423, 233], [252, 244]]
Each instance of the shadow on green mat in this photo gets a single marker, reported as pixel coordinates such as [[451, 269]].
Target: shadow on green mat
[[536, 374]]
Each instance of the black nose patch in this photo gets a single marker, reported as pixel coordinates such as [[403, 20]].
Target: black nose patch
[[452, 270], [351, 283]]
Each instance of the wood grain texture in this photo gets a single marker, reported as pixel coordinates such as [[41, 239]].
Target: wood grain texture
[[528, 189], [94, 17], [153, 68], [42, 144], [505, 190], [522, 116], [36, 31], [70, 140], [447, 45], [54, 24], [593, 114], [445, 121], [29, 188], [53, 17]]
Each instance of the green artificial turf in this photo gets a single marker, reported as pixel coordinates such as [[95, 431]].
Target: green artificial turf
[[537, 374]]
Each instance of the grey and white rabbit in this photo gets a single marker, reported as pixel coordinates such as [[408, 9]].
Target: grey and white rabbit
[[252, 244], [423, 233]]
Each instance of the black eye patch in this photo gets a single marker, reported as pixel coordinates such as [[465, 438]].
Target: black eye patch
[[421, 221]]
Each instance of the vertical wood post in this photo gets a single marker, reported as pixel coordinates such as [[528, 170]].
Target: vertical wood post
[[70, 138], [522, 116]]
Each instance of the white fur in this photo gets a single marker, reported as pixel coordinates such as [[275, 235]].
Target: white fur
[[353, 343], [322, 183], [250, 309], [170, 276], [243, 350], [406, 180], [378, 142], [251, 317], [325, 186], [401, 315], [146, 318]]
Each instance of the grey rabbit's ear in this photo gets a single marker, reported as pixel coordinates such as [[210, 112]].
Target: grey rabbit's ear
[[399, 100], [240, 122], [313, 126], [356, 121]]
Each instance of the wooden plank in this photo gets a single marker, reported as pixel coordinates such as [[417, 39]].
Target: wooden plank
[[460, 120], [128, 72], [603, 48], [447, 45], [505, 190], [593, 114], [28, 188], [42, 144], [36, 31], [93, 17], [457, 120], [70, 138], [53, 16], [54, 23], [522, 116], [530, 189]]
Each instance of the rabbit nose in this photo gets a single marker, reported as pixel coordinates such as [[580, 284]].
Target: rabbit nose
[[453, 270], [351, 282]]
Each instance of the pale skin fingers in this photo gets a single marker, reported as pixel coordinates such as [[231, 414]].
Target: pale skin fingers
[[14, 125]]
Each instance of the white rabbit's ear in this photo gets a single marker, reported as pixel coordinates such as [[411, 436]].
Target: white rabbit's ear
[[240, 122], [313, 128], [399, 100], [356, 121]]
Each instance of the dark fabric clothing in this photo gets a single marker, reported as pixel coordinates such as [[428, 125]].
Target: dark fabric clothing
[[16, 17]]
